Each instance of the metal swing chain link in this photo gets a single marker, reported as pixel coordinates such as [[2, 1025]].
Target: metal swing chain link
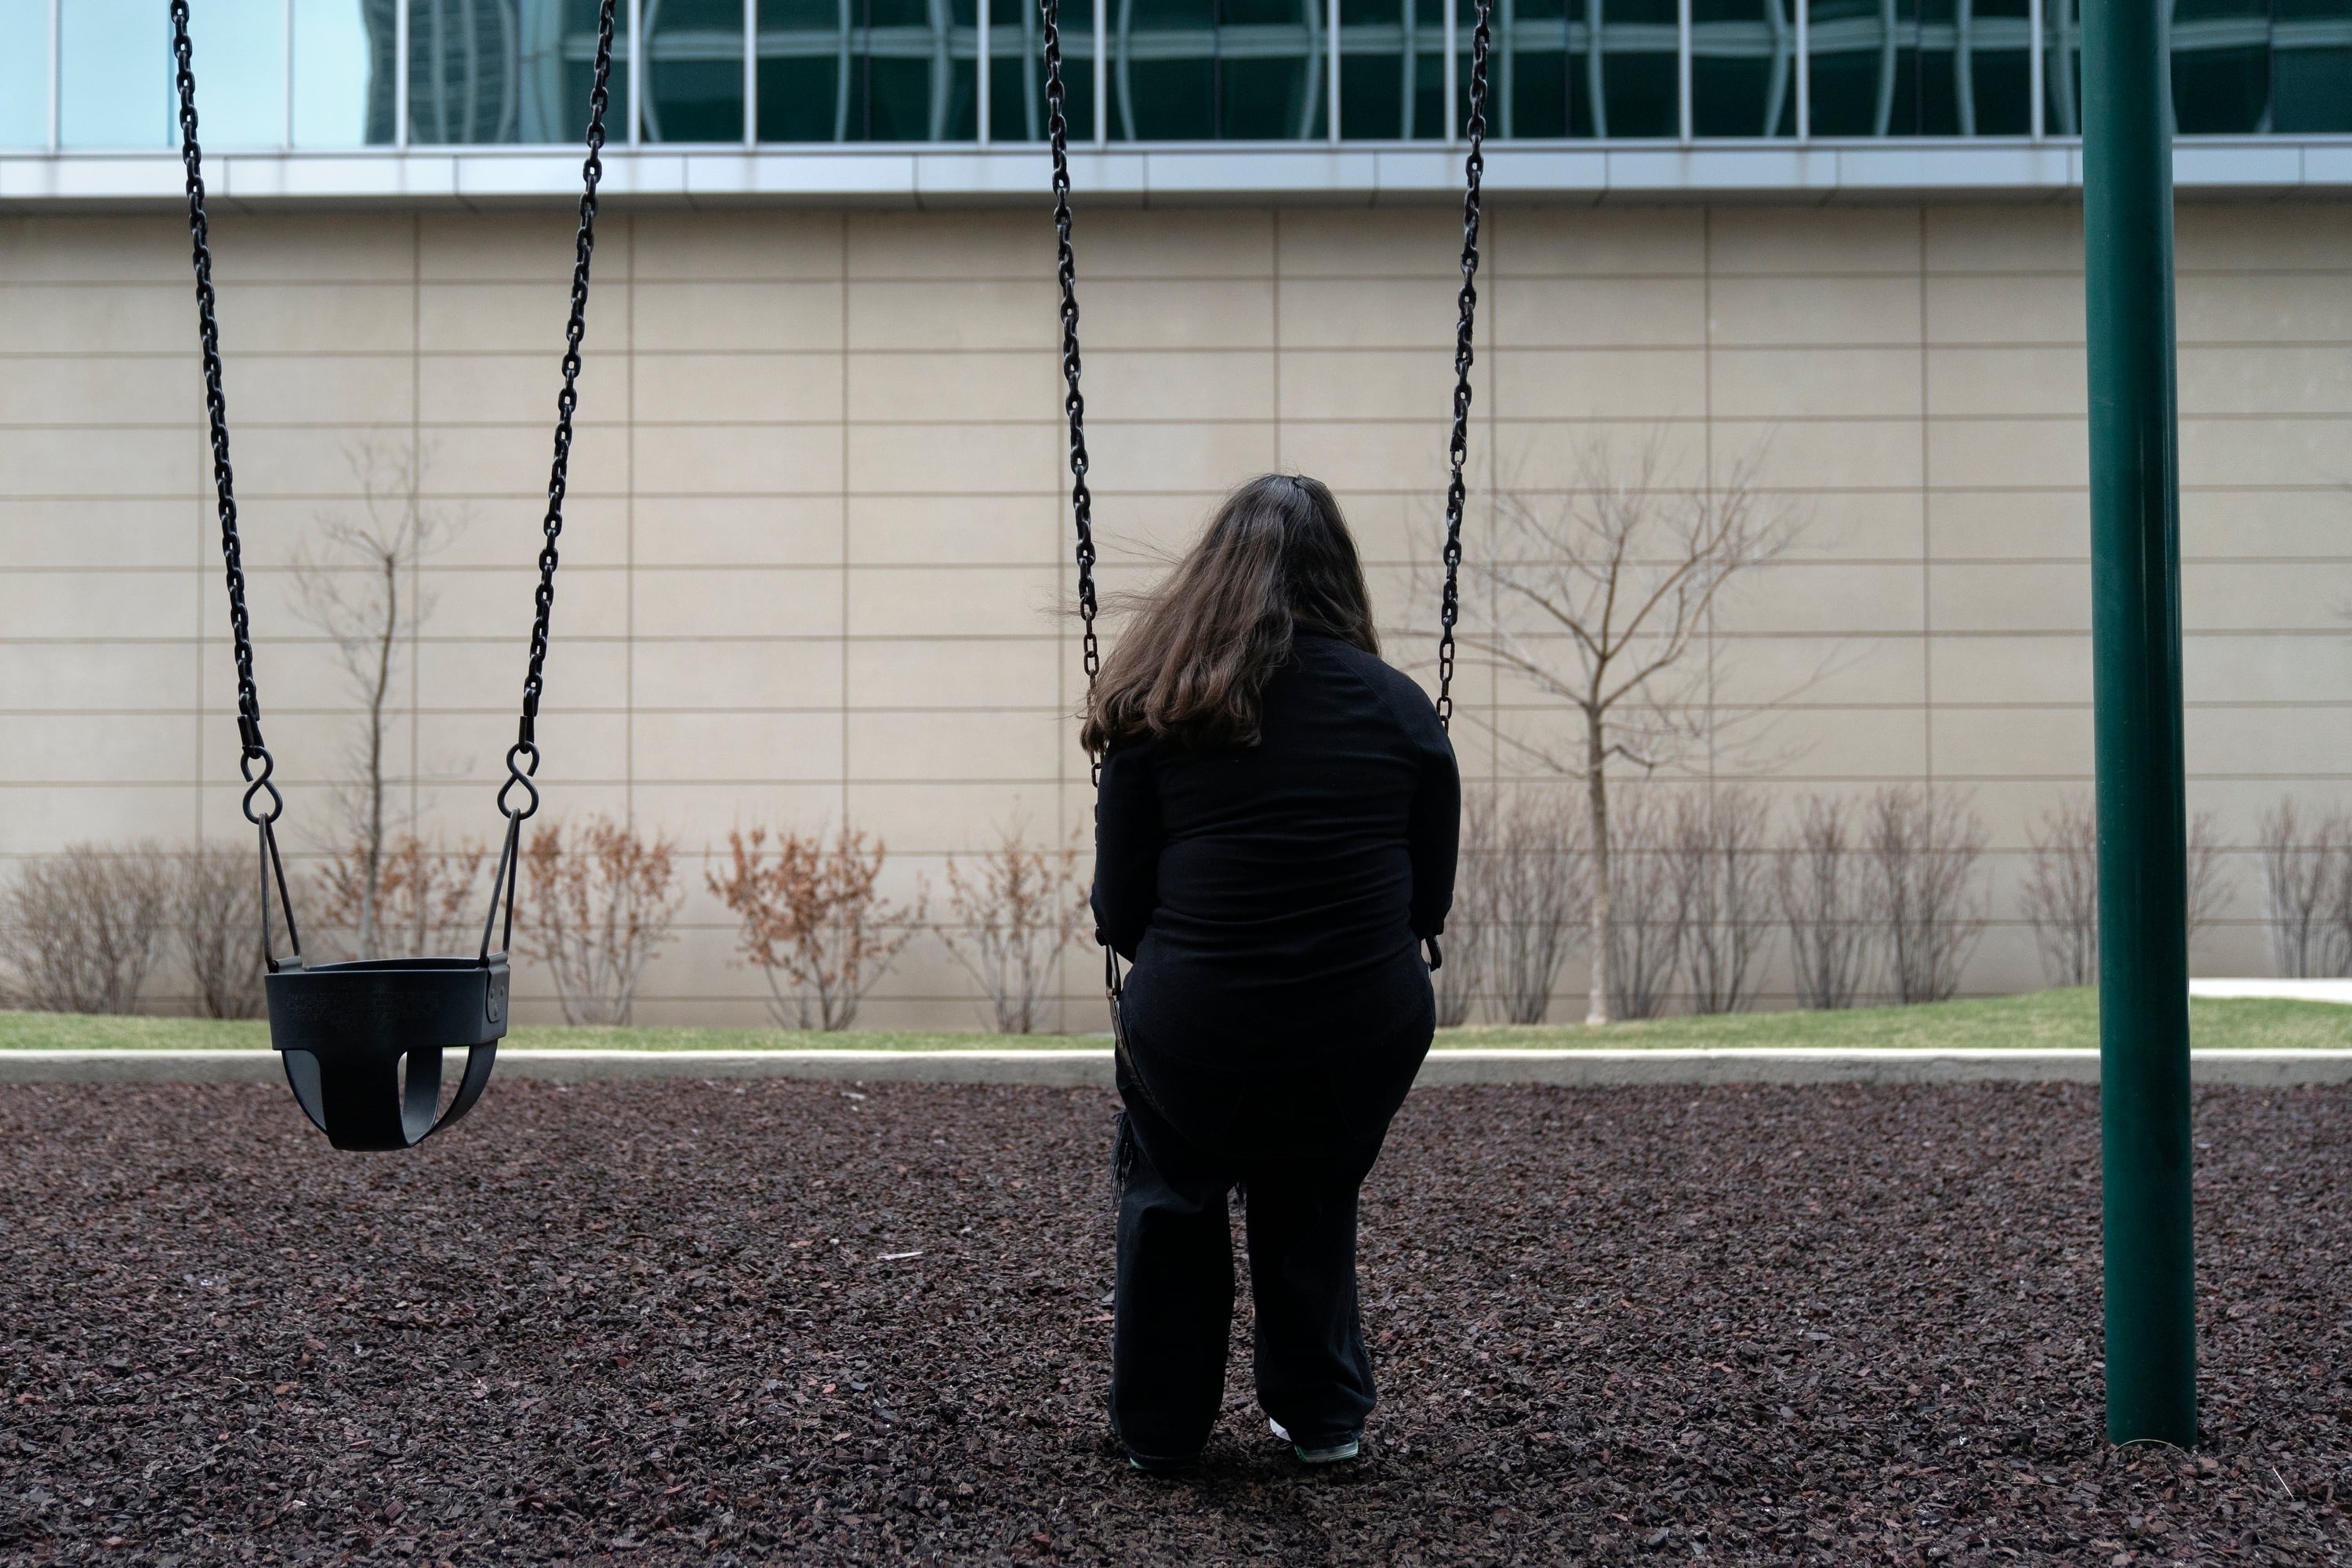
[[249, 695], [1074, 404], [1458, 447], [523, 757]]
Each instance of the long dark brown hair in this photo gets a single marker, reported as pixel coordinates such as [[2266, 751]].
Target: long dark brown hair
[[1193, 660]]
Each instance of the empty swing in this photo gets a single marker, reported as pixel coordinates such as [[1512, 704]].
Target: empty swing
[[361, 1042], [1075, 404]]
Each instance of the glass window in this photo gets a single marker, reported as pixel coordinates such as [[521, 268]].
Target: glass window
[[1743, 68], [2311, 67], [2062, 67], [869, 70], [1534, 70], [1016, 71], [1197, 70], [1393, 69], [343, 73], [1921, 67], [24, 73], [518, 70], [116, 84], [694, 71], [1630, 87], [2220, 65]]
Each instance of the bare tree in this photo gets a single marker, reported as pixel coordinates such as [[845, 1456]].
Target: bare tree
[[216, 903], [357, 583], [1647, 936], [80, 930], [813, 923], [2307, 879], [1534, 897], [1820, 881], [1923, 847], [1598, 602], [1460, 980], [1016, 910], [1722, 872], [2062, 887]]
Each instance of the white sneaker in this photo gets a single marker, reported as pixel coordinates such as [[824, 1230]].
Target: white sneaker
[[1329, 1454]]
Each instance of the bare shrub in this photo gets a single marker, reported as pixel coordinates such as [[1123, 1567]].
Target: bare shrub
[[421, 898], [1018, 907], [1722, 874], [812, 922], [2209, 893], [1460, 980], [601, 899], [1924, 849], [79, 932], [2061, 892], [2307, 890], [1824, 900], [216, 904], [2062, 887], [1535, 897], [1646, 933]]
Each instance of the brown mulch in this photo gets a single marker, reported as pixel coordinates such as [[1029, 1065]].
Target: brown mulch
[[673, 1321]]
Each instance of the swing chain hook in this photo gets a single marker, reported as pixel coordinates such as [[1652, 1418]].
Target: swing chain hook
[[522, 762], [251, 751]]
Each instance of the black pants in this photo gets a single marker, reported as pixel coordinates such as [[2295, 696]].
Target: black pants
[[1298, 1145]]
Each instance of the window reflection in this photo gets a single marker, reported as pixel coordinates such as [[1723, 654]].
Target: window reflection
[[508, 70], [1016, 71], [869, 70], [24, 73], [1743, 68], [1393, 69], [1197, 70], [116, 85], [694, 71], [343, 72], [1921, 67]]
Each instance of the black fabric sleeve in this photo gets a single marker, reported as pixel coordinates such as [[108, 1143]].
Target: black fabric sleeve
[[1434, 830], [1128, 839]]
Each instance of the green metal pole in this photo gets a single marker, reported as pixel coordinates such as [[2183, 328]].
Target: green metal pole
[[2151, 1305]]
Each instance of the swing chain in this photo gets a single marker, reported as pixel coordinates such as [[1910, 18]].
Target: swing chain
[[251, 751], [1057, 133], [1458, 447], [523, 757]]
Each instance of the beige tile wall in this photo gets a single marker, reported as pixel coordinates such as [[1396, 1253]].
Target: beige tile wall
[[815, 559]]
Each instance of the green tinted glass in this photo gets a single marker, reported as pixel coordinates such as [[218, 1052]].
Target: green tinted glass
[[1016, 71], [694, 71], [869, 70], [1921, 67], [517, 73], [1393, 69], [1743, 68], [1211, 69]]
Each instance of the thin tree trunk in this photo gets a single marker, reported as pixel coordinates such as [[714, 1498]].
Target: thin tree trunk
[[370, 905], [1596, 792]]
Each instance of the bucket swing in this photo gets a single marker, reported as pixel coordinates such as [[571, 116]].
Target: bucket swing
[[363, 1042]]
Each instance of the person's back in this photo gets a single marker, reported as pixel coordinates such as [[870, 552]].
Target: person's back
[[1274, 839], [1282, 890]]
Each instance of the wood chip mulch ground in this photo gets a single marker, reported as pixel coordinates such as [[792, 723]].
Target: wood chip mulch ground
[[666, 1322]]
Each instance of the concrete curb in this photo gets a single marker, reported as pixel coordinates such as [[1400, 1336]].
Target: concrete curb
[[1078, 1068]]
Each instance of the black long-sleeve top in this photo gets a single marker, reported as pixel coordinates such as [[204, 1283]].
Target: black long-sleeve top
[[1256, 888]]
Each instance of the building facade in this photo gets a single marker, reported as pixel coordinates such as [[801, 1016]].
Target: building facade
[[817, 559]]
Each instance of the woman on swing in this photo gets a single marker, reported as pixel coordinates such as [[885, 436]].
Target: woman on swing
[[1275, 841]]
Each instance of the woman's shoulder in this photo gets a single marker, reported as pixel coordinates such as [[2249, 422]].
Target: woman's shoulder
[[1396, 691]]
